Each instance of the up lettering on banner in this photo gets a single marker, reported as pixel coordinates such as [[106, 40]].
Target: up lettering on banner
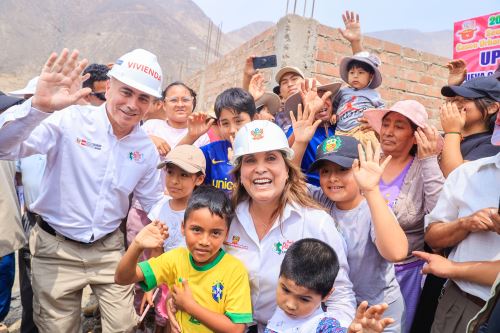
[[151, 72]]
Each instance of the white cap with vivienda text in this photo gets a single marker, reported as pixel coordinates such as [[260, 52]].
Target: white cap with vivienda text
[[140, 70]]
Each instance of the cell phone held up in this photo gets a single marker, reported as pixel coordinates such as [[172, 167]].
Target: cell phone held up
[[265, 62]]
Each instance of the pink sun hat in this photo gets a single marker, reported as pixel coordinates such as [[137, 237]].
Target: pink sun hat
[[411, 109]]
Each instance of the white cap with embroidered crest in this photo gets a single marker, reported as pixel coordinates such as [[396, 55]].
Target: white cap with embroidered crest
[[259, 136], [140, 70]]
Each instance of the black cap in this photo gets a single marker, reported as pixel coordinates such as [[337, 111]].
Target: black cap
[[276, 90], [8, 101], [339, 149], [475, 88]]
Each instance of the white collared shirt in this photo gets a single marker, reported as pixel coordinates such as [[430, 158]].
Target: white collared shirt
[[84, 193], [471, 187], [263, 258]]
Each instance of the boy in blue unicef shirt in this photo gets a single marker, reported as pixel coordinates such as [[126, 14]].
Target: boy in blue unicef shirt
[[234, 108]]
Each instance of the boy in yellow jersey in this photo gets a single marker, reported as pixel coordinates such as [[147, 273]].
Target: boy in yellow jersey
[[209, 287]]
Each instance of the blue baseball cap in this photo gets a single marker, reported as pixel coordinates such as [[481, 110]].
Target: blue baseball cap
[[339, 149], [476, 88]]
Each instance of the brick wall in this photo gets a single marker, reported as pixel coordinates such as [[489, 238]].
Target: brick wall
[[227, 72], [318, 49]]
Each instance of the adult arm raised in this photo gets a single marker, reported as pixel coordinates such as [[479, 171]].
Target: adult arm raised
[[59, 86]]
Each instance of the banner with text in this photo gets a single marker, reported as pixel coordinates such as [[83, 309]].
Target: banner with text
[[477, 41]]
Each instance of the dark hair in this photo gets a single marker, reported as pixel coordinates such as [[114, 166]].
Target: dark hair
[[360, 64], [483, 104], [235, 99], [179, 83], [98, 72], [311, 264], [212, 198], [414, 148]]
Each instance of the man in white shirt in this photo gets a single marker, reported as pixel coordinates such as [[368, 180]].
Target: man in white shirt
[[96, 158], [465, 219]]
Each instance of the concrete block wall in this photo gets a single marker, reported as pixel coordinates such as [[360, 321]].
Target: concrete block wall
[[318, 49]]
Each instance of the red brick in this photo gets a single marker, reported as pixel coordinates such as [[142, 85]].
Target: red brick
[[393, 48], [393, 59], [389, 70], [324, 56], [372, 43], [324, 30], [425, 79], [411, 75], [329, 69], [410, 53], [400, 85], [435, 91]]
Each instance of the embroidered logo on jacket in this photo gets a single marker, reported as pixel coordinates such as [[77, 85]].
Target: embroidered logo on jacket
[[136, 156], [282, 247], [86, 143], [235, 242]]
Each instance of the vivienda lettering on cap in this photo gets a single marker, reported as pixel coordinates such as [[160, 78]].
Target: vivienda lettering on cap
[[151, 72]]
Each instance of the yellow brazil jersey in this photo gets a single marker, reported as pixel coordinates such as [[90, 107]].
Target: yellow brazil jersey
[[221, 286]]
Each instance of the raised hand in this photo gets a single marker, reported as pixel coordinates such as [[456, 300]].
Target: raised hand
[[161, 145], [152, 235], [367, 169], [352, 31], [256, 87], [248, 70], [59, 85], [457, 71], [369, 320], [452, 119], [427, 141], [304, 126], [198, 124], [310, 97]]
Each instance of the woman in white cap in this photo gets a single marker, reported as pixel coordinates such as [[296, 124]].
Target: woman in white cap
[[411, 183], [273, 210]]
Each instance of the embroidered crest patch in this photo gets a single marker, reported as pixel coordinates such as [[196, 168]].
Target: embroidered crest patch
[[332, 144]]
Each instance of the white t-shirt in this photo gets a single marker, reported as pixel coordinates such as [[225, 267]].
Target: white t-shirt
[[315, 322], [162, 129], [172, 219]]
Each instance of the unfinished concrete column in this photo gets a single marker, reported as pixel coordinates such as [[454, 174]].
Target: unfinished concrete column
[[295, 43]]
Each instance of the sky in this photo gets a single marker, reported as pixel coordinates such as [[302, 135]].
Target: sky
[[375, 15]]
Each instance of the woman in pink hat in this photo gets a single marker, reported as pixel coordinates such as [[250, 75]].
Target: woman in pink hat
[[411, 182]]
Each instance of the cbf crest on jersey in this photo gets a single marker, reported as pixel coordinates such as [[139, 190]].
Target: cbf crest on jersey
[[217, 291]]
